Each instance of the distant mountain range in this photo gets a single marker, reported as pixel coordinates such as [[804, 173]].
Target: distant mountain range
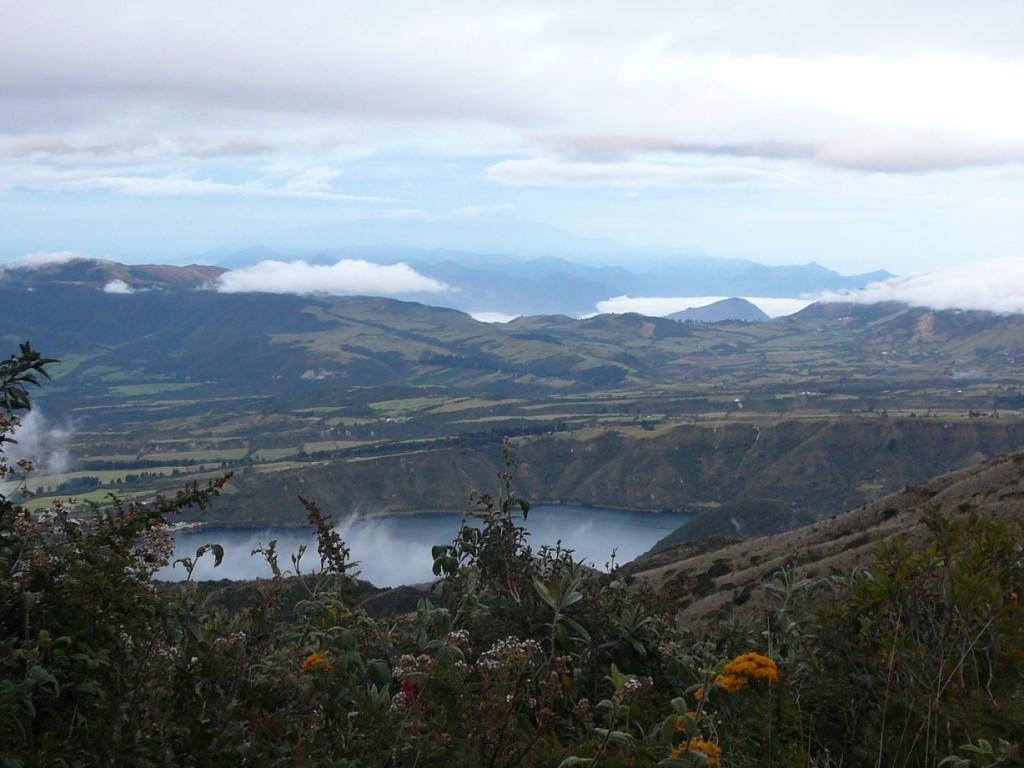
[[549, 285], [478, 283]]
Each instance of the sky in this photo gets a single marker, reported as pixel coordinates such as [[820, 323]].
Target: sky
[[861, 135]]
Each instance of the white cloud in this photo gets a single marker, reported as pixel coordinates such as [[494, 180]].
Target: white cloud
[[995, 285], [118, 286], [475, 211], [41, 259], [493, 317], [417, 104], [310, 186], [627, 175], [660, 306], [346, 277], [317, 79], [317, 179], [41, 443], [176, 186], [774, 307]]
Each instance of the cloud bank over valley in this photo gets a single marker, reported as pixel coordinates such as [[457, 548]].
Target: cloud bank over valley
[[994, 285], [345, 277]]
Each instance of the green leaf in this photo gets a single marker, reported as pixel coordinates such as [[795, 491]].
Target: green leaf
[[620, 739], [218, 553], [546, 590], [618, 678], [524, 505], [667, 732], [579, 629]]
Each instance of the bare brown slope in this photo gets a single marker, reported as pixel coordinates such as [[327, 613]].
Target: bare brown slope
[[714, 579]]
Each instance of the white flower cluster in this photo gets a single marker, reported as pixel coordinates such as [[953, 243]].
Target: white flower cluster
[[408, 665], [459, 638], [636, 685], [235, 638], [507, 651]]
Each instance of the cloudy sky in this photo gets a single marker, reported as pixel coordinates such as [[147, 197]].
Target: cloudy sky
[[861, 135]]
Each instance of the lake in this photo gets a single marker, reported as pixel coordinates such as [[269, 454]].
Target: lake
[[395, 549]]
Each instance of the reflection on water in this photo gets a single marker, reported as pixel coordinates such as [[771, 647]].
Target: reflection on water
[[395, 549]]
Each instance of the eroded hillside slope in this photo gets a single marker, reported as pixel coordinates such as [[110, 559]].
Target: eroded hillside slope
[[715, 579]]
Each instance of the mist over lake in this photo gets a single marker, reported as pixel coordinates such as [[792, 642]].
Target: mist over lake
[[395, 549]]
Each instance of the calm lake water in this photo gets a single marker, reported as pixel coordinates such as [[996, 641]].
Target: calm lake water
[[395, 549]]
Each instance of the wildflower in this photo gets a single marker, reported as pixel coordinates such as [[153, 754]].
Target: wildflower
[[508, 652], [636, 685], [457, 637], [317, 661], [732, 683], [582, 709], [737, 673], [407, 691], [692, 715], [709, 749]]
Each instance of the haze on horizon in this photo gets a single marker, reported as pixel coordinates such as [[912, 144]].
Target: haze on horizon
[[875, 135]]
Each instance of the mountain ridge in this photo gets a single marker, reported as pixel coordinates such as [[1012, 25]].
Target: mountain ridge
[[726, 309], [483, 281]]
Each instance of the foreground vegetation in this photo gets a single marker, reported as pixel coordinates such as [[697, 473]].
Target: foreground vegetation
[[523, 658]]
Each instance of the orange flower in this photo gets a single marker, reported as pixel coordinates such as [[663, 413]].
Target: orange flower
[[732, 683], [709, 749], [317, 661], [744, 668]]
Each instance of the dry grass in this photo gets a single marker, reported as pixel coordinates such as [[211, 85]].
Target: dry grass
[[712, 579]]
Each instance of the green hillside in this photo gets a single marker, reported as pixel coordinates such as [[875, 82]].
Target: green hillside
[[371, 403]]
